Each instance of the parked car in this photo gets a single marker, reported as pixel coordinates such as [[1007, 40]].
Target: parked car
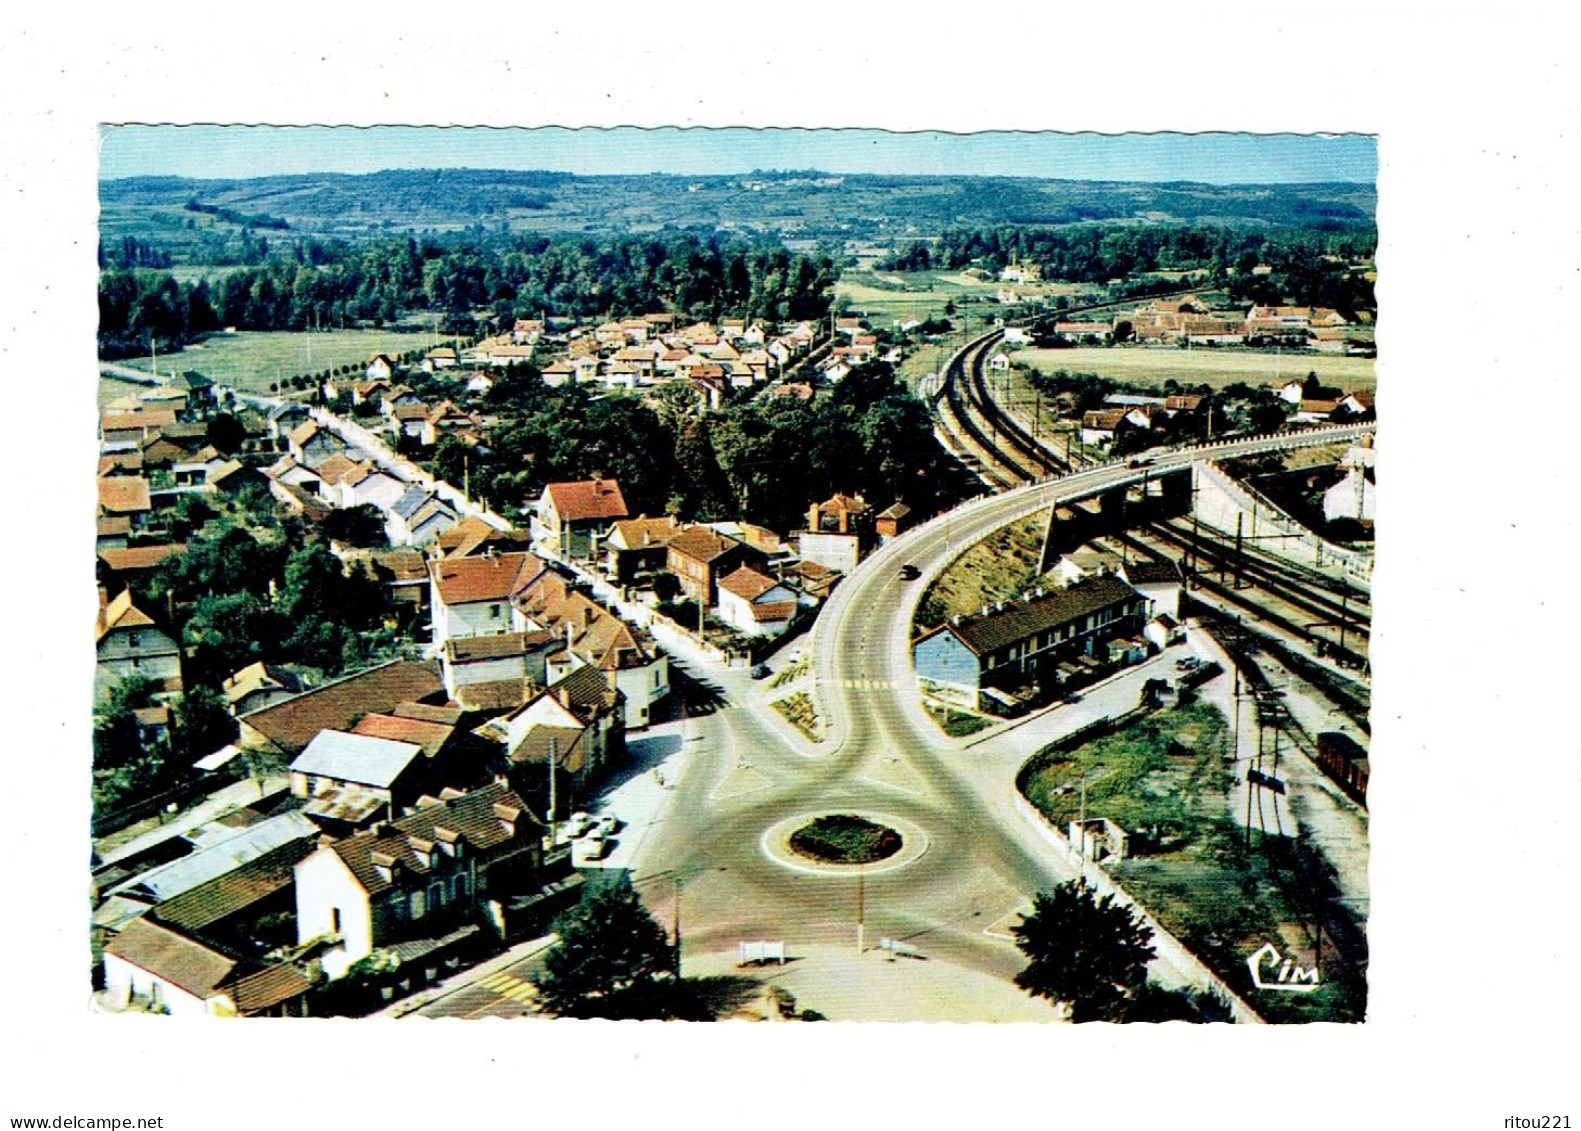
[[605, 825], [909, 572], [579, 824], [760, 671], [1188, 663]]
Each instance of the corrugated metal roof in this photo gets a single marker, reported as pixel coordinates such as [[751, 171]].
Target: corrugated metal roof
[[358, 758]]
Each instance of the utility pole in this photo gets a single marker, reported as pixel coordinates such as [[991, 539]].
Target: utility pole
[[861, 908], [553, 756], [675, 926]]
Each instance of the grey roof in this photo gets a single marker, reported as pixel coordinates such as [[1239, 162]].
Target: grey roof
[[210, 863], [289, 408], [359, 758], [411, 499]]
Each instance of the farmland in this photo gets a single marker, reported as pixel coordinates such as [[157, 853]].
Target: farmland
[[883, 297], [251, 361], [1215, 367]]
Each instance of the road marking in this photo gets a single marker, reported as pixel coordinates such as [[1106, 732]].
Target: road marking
[[499, 983]]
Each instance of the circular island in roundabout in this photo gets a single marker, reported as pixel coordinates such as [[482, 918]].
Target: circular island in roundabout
[[841, 842]]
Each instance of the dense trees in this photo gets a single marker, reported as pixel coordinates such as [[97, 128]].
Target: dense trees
[[322, 285], [763, 460]]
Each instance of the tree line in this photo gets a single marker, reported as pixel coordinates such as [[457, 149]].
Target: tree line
[[317, 285], [1098, 253]]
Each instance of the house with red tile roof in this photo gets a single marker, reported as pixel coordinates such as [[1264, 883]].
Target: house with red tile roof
[[578, 720], [151, 965], [636, 546], [569, 517], [589, 635], [698, 557], [473, 596], [125, 496], [755, 604]]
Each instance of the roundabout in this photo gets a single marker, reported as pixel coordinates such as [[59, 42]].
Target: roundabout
[[777, 846]]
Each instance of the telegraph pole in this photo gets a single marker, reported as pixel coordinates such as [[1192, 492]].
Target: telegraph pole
[[861, 908], [675, 925], [553, 755]]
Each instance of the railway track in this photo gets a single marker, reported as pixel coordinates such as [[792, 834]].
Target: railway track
[[1218, 554], [991, 441]]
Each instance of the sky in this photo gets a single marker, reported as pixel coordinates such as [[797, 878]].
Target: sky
[[1215, 158]]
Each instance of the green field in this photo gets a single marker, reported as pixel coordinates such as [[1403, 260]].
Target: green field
[[1216, 367], [883, 296], [251, 361]]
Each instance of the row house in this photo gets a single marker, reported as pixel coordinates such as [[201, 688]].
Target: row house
[[1040, 638], [423, 875]]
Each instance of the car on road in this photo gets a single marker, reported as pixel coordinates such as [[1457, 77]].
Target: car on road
[[909, 572], [1188, 663], [760, 671]]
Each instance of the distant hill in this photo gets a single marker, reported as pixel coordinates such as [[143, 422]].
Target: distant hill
[[202, 221]]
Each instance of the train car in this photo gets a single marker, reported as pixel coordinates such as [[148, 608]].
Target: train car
[[1342, 758]]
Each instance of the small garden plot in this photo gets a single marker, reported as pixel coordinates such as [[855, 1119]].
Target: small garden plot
[[798, 711], [844, 838], [957, 724]]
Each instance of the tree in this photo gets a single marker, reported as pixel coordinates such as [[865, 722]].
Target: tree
[[1089, 952], [202, 724], [360, 526], [612, 961]]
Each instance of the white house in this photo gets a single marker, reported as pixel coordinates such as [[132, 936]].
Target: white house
[[150, 965], [418, 517], [754, 603], [415, 875], [1352, 497], [370, 485], [474, 596]]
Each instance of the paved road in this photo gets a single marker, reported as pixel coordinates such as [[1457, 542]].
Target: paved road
[[883, 755]]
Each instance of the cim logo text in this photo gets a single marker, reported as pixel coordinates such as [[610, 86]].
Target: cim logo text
[[1273, 971]]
